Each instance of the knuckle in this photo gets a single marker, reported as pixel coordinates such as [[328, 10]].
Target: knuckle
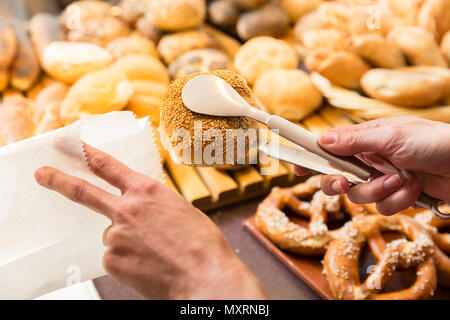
[[114, 235], [146, 186], [125, 210], [77, 191], [110, 262], [99, 162]]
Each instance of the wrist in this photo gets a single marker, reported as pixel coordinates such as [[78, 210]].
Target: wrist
[[223, 279]]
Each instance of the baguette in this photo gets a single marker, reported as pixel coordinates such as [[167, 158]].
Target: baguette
[[44, 29], [8, 51], [25, 68]]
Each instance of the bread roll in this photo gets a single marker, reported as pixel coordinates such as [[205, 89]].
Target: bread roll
[[142, 67], [264, 53], [175, 15], [44, 29], [248, 4], [201, 60], [418, 45], [25, 68], [95, 93], [269, 20], [177, 119], [8, 51], [445, 46], [408, 87], [324, 38], [47, 108], [297, 8], [15, 120], [223, 13], [329, 15], [174, 45], [100, 31], [145, 106], [147, 28], [134, 43], [340, 67], [77, 13], [377, 51], [146, 99], [287, 93], [132, 10], [434, 16], [69, 61]]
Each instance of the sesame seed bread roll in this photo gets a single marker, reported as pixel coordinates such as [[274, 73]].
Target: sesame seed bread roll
[[176, 118]]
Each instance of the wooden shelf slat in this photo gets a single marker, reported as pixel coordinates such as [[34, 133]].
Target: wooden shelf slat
[[249, 180], [168, 181], [278, 175], [223, 188], [189, 183]]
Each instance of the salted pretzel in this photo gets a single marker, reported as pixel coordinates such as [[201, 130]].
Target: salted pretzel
[[342, 259], [313, 240], [442, 241]]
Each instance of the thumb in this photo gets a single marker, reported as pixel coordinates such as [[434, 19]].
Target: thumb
[[356, 139]]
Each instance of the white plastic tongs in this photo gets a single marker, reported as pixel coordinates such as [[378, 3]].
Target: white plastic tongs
[[209, 94]]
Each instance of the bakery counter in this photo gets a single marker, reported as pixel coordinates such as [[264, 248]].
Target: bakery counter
[[279, 282]]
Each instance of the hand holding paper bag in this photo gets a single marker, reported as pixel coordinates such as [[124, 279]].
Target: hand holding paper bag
[[47, 242]]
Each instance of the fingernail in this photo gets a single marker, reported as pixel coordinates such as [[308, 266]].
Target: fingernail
[[337, 187], [393, 182], [328, 138]]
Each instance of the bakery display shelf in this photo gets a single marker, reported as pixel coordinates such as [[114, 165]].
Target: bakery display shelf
[[209, 188]]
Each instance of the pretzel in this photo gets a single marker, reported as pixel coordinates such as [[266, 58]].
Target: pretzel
[[342, 259], [277, 227], [442, 241]]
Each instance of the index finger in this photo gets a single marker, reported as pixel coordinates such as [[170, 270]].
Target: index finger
[[109, 168]]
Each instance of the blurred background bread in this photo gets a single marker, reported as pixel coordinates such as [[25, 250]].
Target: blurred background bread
[[287, 93]]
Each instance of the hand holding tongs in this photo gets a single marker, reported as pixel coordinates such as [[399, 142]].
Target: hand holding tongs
[[218, 98]]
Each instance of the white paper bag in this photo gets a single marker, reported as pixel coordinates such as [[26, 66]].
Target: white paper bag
[[46, 241]]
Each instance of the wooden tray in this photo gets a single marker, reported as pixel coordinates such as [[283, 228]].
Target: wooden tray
[[309, 269]]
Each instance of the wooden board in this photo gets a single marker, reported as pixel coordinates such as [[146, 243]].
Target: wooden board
[[309, 269]]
